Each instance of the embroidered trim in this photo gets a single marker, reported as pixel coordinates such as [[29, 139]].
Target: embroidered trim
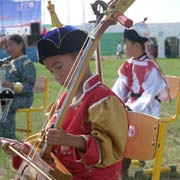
[[97, 103], [85, 90]]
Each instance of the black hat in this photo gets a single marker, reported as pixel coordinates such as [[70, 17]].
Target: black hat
[[139, 32], [62, 40]]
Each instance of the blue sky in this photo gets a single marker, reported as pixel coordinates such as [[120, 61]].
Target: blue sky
[[76, 12]]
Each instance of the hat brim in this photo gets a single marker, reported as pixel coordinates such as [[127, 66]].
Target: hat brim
[[132, 35]]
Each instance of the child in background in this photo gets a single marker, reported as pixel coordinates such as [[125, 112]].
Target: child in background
[[20, 77], [141, 84]]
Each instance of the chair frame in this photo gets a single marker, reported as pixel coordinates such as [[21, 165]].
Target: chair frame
[[157, 144], [40, 87]]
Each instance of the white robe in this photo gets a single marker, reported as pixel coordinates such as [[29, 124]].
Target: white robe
[[153, 85]]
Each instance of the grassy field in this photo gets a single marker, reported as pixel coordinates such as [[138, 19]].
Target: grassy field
[[110, 67]]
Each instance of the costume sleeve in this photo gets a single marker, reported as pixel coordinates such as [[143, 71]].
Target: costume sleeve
[[28, 76], [120, 89], [92, 155], [153, 86], [109, 132]]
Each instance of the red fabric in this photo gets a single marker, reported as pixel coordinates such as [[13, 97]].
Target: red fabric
[[16, 162], [76, 122], [141, 71], [89, 151]]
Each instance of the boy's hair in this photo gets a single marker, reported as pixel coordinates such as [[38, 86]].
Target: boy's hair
[[132, 36], [139, 32]]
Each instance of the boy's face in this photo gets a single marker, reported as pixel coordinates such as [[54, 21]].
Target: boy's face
[[130, 48], [60, 67]]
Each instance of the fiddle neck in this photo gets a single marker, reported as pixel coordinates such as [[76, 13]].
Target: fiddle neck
[[84, 58], [76, 80]]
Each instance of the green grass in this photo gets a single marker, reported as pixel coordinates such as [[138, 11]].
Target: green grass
[[110, 67]]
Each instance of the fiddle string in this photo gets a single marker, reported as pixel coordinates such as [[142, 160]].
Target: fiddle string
[[36, 144], [33, 151], [67, 82], [78, 58]]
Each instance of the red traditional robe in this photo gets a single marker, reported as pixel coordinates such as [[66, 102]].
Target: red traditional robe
[[99, 117]]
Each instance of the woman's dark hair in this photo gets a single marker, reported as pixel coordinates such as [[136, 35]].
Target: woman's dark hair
[[133, 36], [18, 39]]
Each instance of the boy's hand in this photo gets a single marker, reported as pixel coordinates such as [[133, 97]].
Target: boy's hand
[[19, 146], [56, 136]]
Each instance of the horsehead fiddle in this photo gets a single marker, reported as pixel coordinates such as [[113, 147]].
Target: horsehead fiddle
[[43, 164]]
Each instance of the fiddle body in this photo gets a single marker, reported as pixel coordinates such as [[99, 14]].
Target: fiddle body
[[36, 168]]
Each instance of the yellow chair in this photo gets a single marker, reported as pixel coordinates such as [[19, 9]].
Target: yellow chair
[[147, 134], [41, 87], [174, 87]]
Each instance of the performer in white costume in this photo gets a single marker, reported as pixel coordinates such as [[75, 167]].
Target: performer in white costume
[[141, 83]]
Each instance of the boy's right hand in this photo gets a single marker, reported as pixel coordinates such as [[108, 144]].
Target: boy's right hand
[[18, 146]]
